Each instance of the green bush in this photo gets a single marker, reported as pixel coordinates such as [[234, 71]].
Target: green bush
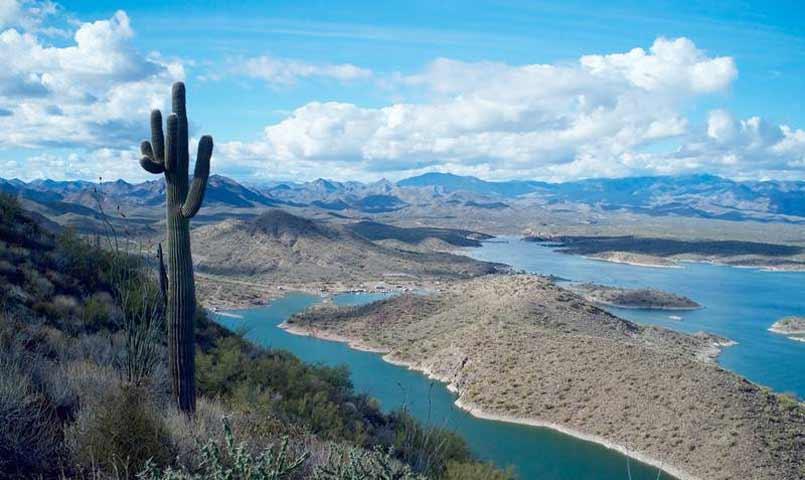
[[275, 383], [120, 433], [427, 449], [96, 311], [476, 471]]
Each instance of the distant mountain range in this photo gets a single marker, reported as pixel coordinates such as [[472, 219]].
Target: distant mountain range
[[704, 196], [689, 195]]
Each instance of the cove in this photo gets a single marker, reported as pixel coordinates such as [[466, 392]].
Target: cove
[[739, 303], [536, 453]]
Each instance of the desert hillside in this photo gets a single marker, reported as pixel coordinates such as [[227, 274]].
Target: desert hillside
[[279, 248], [520, 347]]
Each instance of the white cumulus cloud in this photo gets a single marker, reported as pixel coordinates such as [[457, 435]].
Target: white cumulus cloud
[[92, 93], [287, 71], [602, 115]]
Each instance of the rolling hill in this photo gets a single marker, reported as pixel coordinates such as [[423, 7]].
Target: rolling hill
[[281, 247]]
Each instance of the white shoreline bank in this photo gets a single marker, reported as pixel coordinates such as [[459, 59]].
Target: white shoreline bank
[[478, 412], [633, 263], [635, 307], [796, 335]]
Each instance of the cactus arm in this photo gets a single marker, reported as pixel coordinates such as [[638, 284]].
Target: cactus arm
[[147, 161], [157, 140], [200, 175]]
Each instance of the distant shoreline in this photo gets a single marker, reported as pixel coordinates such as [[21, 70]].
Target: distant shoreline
[[653, 307], [649, 260], [627, 262]]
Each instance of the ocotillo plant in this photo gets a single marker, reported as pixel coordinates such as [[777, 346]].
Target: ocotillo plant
[[170, 155]]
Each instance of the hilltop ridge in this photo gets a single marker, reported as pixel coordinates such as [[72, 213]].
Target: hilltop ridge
[[279, 249]]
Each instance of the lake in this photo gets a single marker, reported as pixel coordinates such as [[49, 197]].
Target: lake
[[536, 453], [739, 304]]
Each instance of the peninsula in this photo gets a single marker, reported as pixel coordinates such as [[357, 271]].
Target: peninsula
[[520, 348]]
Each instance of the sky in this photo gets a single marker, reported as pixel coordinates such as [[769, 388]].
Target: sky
[[363, 90]]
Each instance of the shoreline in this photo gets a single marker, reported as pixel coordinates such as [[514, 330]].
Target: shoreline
[[478, 412], [672, 262], [635, 307], [759, 268], [627, 262], [797, 335], [785, 332], [218, 295]]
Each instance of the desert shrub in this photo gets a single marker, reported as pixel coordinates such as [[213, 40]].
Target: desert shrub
[[188, 434], [97, 309], [119, 433], [37, 283], [476, 471], [427, 449], [29, 442], [94, 347], [7, 269], [278, 384], [78, 259], [9, 207], [230, 460], [350, 463]]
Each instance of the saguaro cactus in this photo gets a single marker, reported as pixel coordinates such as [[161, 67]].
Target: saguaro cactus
[[170, 155]]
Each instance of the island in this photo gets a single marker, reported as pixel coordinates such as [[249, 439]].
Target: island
[[792, 327], [641, 298]]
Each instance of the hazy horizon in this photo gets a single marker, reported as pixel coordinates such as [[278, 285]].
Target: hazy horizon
[[394, 181]]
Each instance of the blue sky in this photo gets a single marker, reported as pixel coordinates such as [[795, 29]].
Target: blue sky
[[371, 89]]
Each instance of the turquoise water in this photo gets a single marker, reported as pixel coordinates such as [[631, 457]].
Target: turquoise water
[[739, 303], [536, 453]]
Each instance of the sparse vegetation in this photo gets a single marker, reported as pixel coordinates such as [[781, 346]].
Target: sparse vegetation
[[521, 347], [84, 391]]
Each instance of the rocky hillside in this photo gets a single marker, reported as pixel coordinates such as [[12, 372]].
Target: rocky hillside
[[278, 247], [522, 348]]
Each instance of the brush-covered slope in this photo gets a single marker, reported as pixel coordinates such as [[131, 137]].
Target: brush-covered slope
[[84, 387], [523, 348], [284, 247]]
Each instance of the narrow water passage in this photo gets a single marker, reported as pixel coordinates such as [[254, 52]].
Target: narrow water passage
[[536, 453]]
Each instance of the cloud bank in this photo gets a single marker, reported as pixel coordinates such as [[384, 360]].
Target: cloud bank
[[603, 115], [617, 114]]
